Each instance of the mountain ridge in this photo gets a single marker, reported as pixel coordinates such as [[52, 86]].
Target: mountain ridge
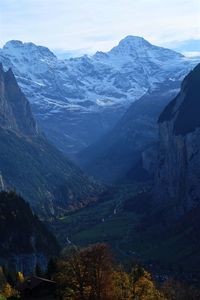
[[89, 92]]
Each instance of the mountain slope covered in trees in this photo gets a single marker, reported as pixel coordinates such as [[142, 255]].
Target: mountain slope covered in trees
[[30, 164]]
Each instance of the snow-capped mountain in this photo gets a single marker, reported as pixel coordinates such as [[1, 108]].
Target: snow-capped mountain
[[77, 100]]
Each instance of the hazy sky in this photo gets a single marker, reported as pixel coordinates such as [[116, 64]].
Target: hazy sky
[[90, 25]]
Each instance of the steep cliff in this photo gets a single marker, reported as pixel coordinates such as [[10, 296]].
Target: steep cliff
[[15, 111], [30, 164], [178, 174], [25, 241]]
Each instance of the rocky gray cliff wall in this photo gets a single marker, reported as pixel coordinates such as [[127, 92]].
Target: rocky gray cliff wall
[[15, 111], [178, 167]]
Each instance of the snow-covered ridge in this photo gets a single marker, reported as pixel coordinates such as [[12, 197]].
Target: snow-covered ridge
[[17, 48], [125, 72], [81, 95]]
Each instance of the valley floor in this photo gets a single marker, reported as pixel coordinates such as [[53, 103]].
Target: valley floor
[[121, 219]]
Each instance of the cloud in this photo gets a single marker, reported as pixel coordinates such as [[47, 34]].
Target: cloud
[[97, 24]]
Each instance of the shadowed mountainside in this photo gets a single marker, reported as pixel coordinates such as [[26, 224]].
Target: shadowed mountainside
[[30, 164]]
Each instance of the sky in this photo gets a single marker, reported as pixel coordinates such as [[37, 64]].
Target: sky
[[85, 26]]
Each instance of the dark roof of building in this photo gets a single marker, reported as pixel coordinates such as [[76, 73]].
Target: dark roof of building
[[32, 282]]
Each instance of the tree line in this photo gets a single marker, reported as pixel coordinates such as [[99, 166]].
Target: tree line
[[91, 273]]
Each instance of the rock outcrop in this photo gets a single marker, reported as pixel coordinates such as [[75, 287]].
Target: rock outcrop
[[15, 111], [178, 170], [25, 241]]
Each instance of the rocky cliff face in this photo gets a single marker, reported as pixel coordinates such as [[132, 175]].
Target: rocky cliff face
[[25, 242], [178, 175], [15, 111], [30, 164]]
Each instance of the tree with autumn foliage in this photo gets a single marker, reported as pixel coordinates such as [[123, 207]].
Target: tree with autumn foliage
[[122, 288], [85, 274], [143, 287], [8, 291], [90, 274]]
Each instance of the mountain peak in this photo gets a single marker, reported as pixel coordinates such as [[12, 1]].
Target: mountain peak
[[138, 47], [16, 48], [131, 44], [134, 40], [13, 44]]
